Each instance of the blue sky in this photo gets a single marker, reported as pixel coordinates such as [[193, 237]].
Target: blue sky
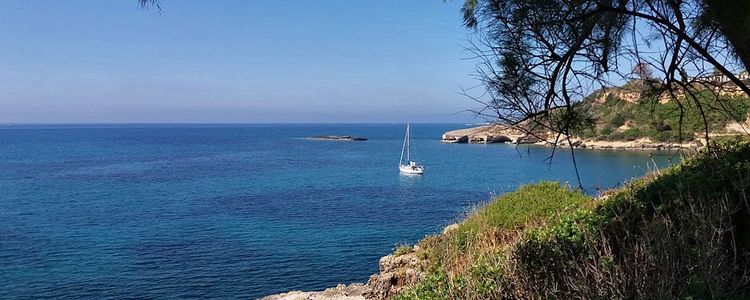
[[233, 61]]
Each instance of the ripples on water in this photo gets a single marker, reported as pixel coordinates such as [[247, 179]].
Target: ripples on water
[[151, 211]]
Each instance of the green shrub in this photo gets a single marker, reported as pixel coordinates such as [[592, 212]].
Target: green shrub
[[611, 100], [528, 204], [663, 136], [402, 249], [662, 126], [433, 286], [631, 134], [615, 136], [617, 120]]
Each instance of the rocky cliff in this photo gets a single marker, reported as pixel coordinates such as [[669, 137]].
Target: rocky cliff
[[487, 134]]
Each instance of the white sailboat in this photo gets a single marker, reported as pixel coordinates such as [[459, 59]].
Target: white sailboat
[[408, 166]]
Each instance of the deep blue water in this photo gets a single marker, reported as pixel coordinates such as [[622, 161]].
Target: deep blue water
[[154, 211]]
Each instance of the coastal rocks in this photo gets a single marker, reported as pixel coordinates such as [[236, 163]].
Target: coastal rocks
[[347, 138], [496, 133], [455, 139], [450, 228], [353, 291], [738, 127], [396, 274], [640, 144], [486, 134]]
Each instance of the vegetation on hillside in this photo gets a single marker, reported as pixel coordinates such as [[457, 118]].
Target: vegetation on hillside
[[678, 233], [616, 119]]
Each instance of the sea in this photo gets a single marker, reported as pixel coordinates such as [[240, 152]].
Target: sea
[[245, 210]]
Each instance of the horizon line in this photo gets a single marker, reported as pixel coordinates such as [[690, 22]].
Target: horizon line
[[12, 124]]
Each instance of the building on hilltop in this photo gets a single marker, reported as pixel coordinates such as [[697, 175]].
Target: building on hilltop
[[721, 78]]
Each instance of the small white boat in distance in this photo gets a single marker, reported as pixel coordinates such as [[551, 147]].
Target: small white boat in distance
[[408, 166]]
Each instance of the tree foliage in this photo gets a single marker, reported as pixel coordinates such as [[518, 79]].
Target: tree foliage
[[149, 3], [538, 56]]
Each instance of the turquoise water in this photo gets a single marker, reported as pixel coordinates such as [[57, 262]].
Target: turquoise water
[[153, 211]]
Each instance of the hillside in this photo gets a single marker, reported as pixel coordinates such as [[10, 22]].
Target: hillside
[[628, 117], [677, 233], [627, 113]]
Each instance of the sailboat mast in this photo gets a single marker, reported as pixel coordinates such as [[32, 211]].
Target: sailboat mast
[[408, 143], [401, 159]]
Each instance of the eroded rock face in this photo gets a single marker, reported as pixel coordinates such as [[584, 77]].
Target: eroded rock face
[[396, 274], [487, 134]]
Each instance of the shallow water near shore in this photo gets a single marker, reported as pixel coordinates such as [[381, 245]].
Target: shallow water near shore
[[154, 211]]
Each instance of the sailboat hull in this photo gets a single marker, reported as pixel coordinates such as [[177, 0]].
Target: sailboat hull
[[408, 169]]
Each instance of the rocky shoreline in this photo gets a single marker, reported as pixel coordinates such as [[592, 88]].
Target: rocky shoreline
[[636, 145], [488, 134]]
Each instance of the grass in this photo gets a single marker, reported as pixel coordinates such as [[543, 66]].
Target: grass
[[529, 204], [402, 249], [680, 234]]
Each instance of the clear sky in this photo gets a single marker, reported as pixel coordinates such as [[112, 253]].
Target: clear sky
[[233, 61]]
